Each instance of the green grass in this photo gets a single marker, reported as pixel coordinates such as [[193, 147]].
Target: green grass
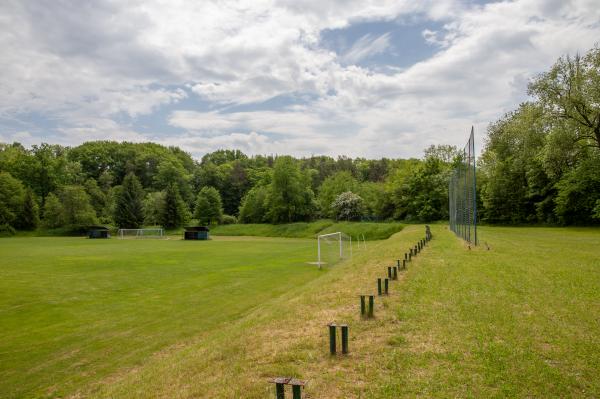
[[371, 231], [519, 320], [142, 319], [74, 311]]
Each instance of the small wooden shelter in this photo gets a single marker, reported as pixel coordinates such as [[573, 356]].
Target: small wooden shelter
[[98, 232], [196, 233]]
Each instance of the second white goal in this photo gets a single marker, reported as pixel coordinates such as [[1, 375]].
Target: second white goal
[[141, 233]]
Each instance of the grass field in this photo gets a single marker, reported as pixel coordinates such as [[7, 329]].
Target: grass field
[[75, 311], [140, 320]]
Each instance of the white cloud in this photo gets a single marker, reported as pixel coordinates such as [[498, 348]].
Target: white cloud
[[84, 66]]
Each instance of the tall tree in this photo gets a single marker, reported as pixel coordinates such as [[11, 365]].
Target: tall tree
[[129, 207], [253, 208], [30, 214], [53, 211], [571, 91], [174, 212], [209, 208], [12, 195], [76, 207], [154, 203], [290, 197], [333, 186]]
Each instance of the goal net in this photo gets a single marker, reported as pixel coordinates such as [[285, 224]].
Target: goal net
[[141, 233], [333, 247]]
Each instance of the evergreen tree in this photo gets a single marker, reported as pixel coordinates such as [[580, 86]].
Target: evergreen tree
[[129, 208], [209, 208], [30, 214], [174, 212]]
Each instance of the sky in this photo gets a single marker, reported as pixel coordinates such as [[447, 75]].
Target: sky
[[340, 77]]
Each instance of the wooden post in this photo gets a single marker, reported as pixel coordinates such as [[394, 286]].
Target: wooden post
[[332, 337], [344, 328]]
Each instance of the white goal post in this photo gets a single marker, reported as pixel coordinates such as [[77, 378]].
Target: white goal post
[[343, 246], [141, 233]]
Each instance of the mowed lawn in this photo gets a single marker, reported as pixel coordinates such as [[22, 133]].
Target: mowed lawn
[[172, 319], [74, 311], [521, 319]]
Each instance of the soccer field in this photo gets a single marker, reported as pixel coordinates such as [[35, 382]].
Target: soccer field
[[73, 310]]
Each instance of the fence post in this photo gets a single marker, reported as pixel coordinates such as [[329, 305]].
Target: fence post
[[371, 305], [379, 286], [386, 286], [344, 328], [362, 306], [332, 335]]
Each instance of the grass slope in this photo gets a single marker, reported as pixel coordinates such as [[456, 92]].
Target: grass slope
[[371, 231], [74, 311]]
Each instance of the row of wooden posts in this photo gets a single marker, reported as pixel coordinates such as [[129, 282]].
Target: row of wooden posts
[[365, 312]]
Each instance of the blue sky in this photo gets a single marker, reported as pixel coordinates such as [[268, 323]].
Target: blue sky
[[341, 77]]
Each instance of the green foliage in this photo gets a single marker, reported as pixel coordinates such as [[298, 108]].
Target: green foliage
[[208, 206], [420, 193], [290, 198], [174, 212], [98, 198], [348, 206], [53, 212], [69, 207], [332, 187], [129, 207], [571, 91], [579, 193], [228, 219], [12, 197], [254, 205], [76, 209], [596, 210], [154, 204], [29, 217]]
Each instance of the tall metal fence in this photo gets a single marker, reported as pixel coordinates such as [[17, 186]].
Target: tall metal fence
[[462, 195]]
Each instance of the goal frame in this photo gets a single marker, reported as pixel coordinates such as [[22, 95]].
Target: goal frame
[[138, 235], [337, 233]]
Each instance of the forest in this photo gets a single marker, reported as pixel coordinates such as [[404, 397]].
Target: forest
[[540, 165]]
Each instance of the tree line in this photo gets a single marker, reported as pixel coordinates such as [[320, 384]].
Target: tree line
[[130, 185], [540, 164]]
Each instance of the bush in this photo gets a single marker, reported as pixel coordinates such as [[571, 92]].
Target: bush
[[228, 219], [6, 230]]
